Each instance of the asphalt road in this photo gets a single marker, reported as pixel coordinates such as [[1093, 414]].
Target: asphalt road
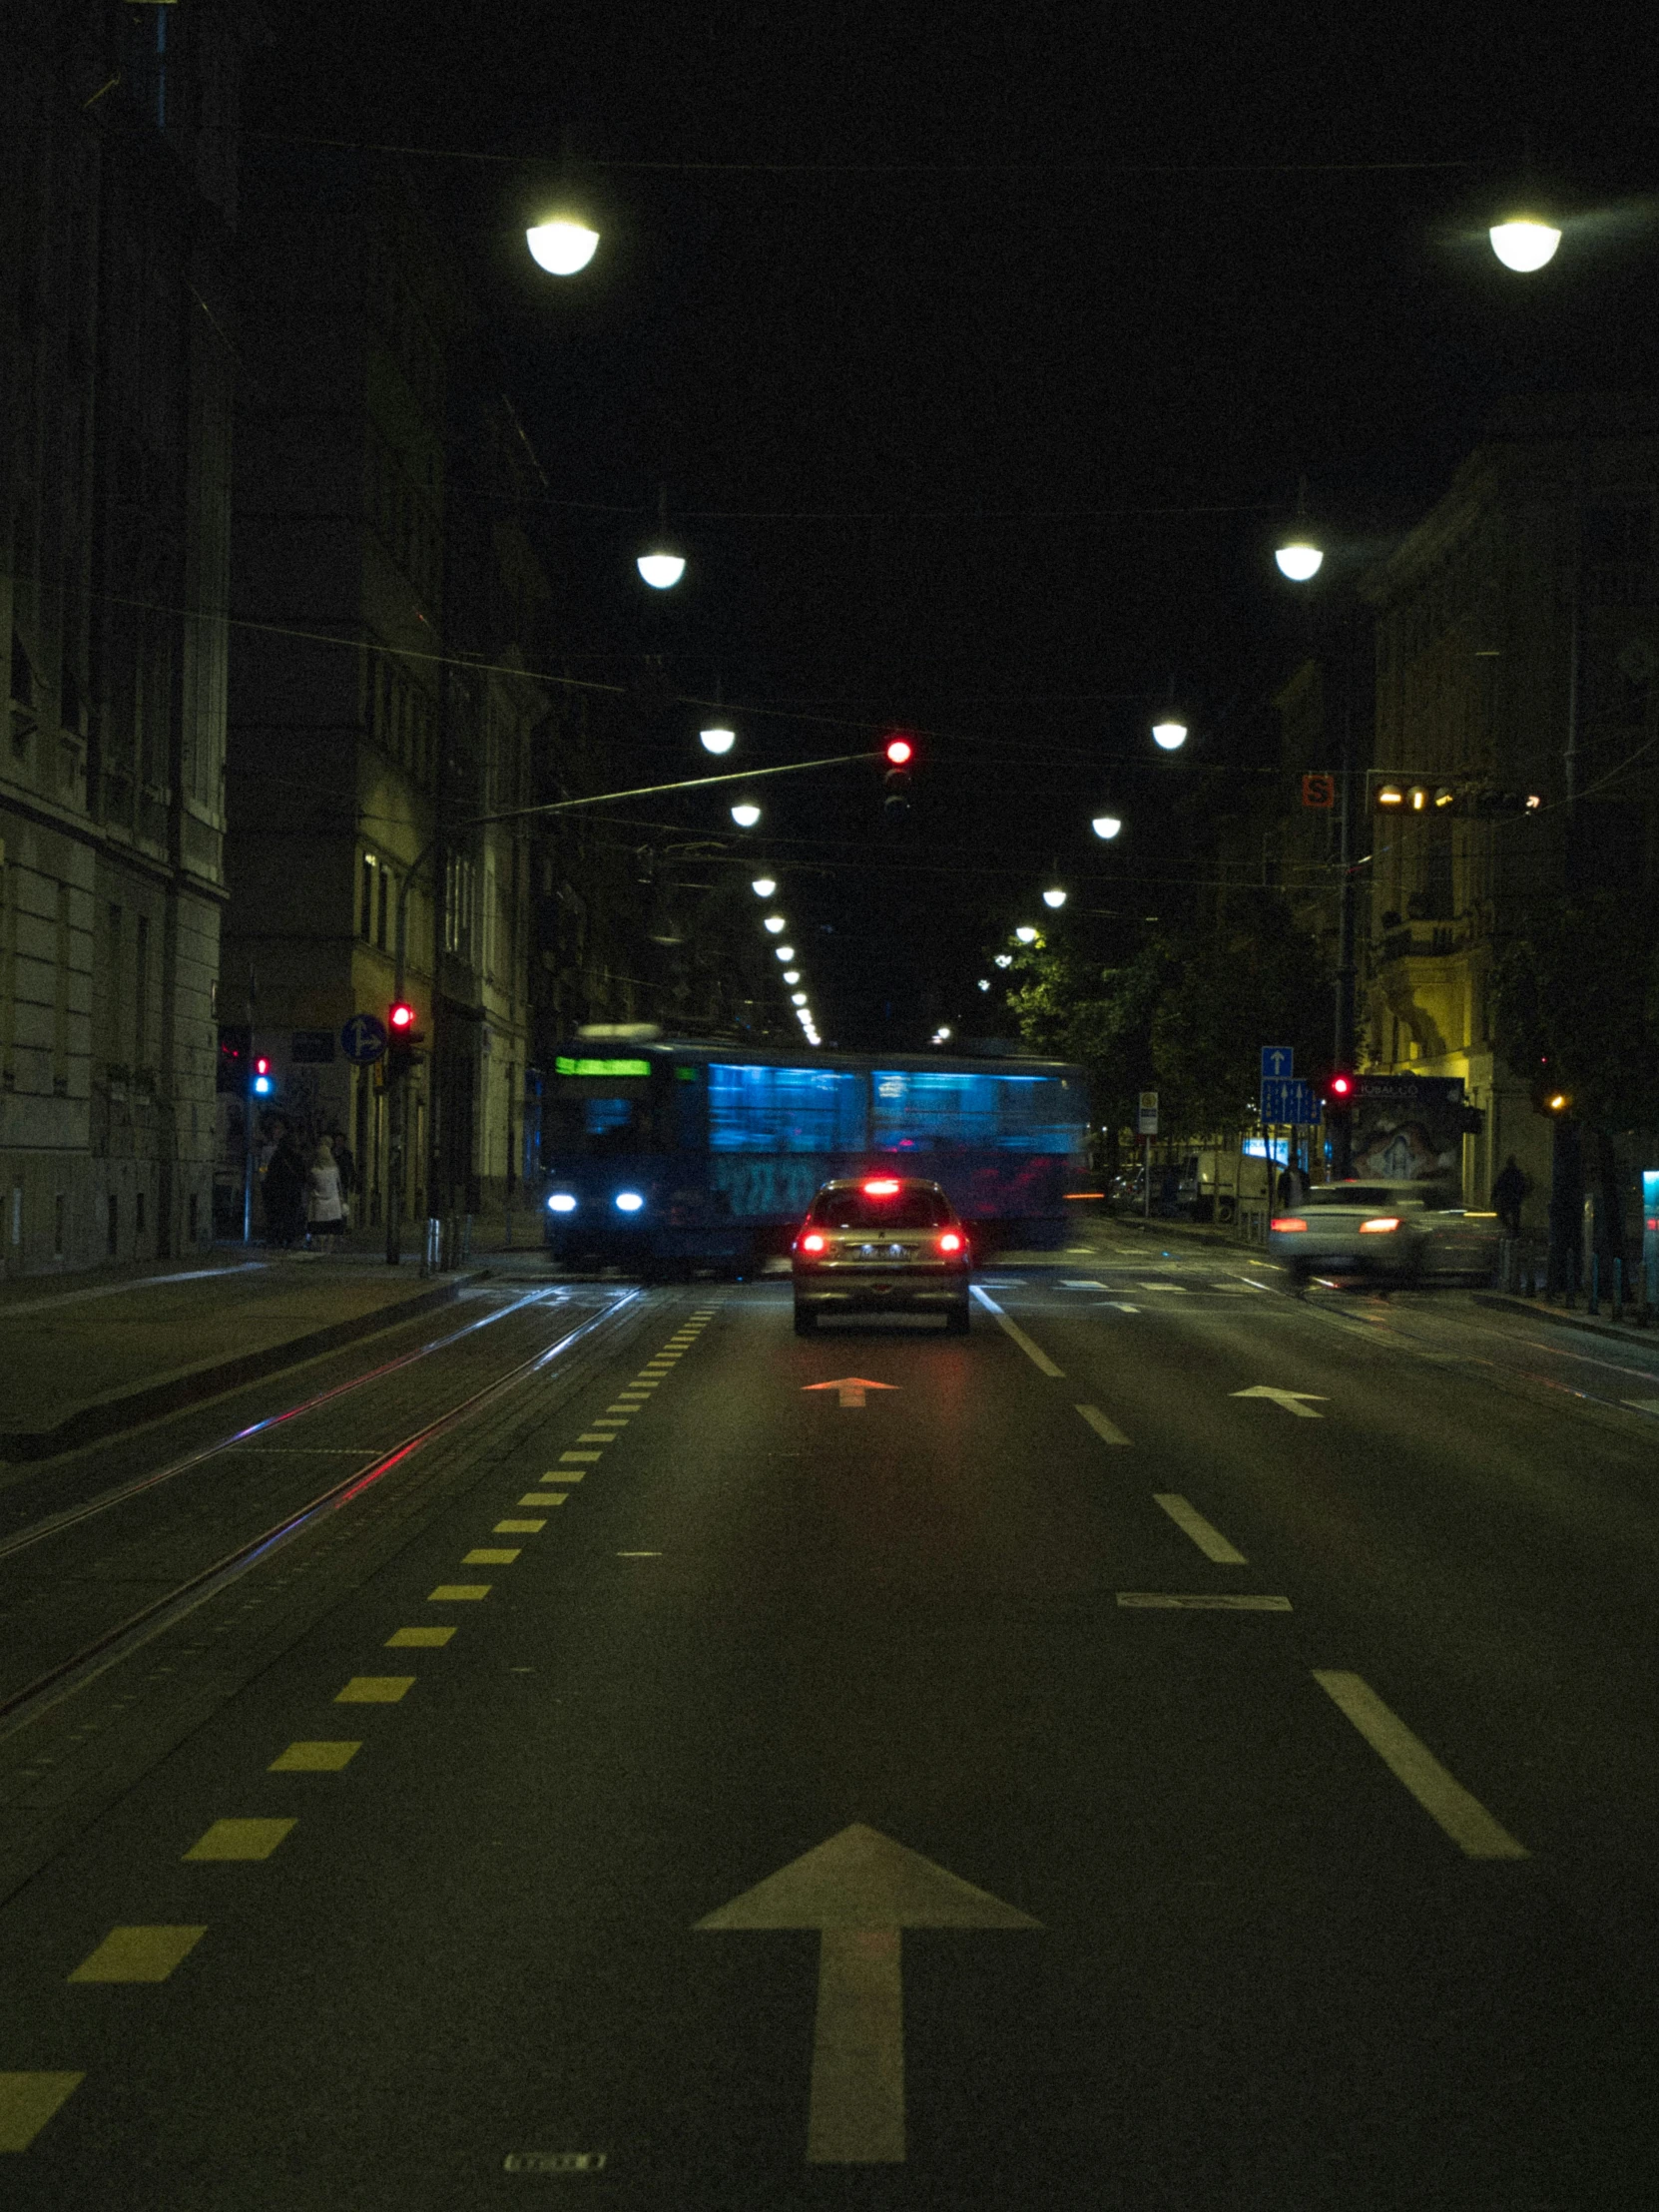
[[1331, 1885]]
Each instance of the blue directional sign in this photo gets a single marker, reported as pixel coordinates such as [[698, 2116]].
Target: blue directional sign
[[363, 1039], [1284, 1099], [1278, 1061]]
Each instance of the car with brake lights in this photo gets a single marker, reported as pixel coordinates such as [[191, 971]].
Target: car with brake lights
[[881, 1244], [1411, 1234]]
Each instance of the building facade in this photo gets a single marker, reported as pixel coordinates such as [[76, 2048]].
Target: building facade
[[118, 145], [1518, 647]]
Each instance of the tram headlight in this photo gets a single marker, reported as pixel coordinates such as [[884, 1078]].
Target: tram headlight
[[629, 1202], [561, 1203]]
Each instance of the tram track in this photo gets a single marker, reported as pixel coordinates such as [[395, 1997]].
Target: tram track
[[95, 1654]]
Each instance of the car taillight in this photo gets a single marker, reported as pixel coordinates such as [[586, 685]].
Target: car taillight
[[950, 1242], [884, 1186], [1287, 1221], [813, 1243], [1383, 1224]]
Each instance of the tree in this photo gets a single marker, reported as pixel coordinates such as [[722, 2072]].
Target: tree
[[1577, 1004]]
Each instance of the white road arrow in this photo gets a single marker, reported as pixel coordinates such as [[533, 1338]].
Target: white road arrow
[[851, 1387], [860, 1890], [1290, 1399]]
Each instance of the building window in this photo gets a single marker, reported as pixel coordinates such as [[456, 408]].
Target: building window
[[367, 924], [383, 903], [141, 994]]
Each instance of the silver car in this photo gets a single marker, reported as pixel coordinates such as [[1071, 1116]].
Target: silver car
[[880, 1244], [1411, 1233]]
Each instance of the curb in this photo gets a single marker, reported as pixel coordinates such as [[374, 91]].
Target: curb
[[1534, 1308], [109, 1417]]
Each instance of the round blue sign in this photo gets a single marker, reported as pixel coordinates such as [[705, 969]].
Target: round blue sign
[[363, 1039]]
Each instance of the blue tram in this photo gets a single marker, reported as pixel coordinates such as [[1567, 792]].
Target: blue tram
[[664, 1156]]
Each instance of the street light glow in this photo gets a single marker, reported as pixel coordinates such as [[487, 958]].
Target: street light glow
[[1106, 825], [1004, 959], [763, 886], [786, 952], [1055, 899], [776, 923], [791, 975], [562, 246], [1523, 243], [746, 813], [1026, 934], [662, 571], [797, 999], [717, 739], [1301, 560], [1170, 735]]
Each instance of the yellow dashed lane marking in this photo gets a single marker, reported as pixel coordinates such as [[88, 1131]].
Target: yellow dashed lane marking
[[138, 1954], [374, 1689], [596, 1437], [544, 1497], [28, 2101], [240, 1840], [518, 1528], [419, 1639], [489, 1555], [580, 1458], [315, 1758], [456, 1591]]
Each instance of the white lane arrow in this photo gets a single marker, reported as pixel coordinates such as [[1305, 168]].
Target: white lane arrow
[[851, 1387], [1290, 1399], [860, 1890]]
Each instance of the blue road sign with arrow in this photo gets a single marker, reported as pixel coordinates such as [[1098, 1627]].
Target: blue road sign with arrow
[[1287, 1100], [1278, 1061], [363, 1039]]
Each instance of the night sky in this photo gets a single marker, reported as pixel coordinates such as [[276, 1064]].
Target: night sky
[[981, 350]]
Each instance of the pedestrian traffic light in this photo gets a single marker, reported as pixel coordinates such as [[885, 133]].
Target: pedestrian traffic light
[[235, 1042], [900, 751], [264, 1081]]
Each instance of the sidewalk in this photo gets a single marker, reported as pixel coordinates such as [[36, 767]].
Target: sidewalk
[[81, 1359]]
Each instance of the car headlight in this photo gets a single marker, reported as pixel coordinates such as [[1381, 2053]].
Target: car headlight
[[561, 1203], [629, 1202]]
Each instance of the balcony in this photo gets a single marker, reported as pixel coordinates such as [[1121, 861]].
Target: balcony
[[1424, 940]]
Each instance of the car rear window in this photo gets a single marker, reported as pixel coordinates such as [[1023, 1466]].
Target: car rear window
[[1349, 1193], [904, 1210]]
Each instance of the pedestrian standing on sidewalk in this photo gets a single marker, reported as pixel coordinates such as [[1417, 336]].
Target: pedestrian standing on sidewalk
[[1508, 1192], [325, 1206], [283, 1192], [348, 1166]]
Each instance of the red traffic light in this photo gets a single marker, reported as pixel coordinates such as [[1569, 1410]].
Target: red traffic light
[[400, 1019], [1340, 1086], [900, 751], [262, 1066]]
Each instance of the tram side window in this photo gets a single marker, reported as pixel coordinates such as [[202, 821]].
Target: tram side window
[[943, 1110], [785, 1109]]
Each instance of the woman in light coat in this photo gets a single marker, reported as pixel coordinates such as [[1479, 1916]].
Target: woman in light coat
[[325, 1206]]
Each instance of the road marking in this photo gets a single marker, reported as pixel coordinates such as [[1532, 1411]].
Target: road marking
[[1033, 1352], [1106, 1431], [1210, 1541], [554, 2163], [1465, 1819], [314, 1758], [565, 1474], [614, 1421], [459, 1592], [518, 1528], [240, 1840], [28, 2101], [1290, 1399], [1641, 1404], [374, 1689], [1066, 1284], [419, 1639], [639, 1554], [598, 1435], [638, 1387], [1205, 1603], [545, 1498], [852, 1388], [861, 1890], [580, 1458], [1122, 1307], [137, 1955], [1173, 1289], [1250, 1283], [489, 1555]]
